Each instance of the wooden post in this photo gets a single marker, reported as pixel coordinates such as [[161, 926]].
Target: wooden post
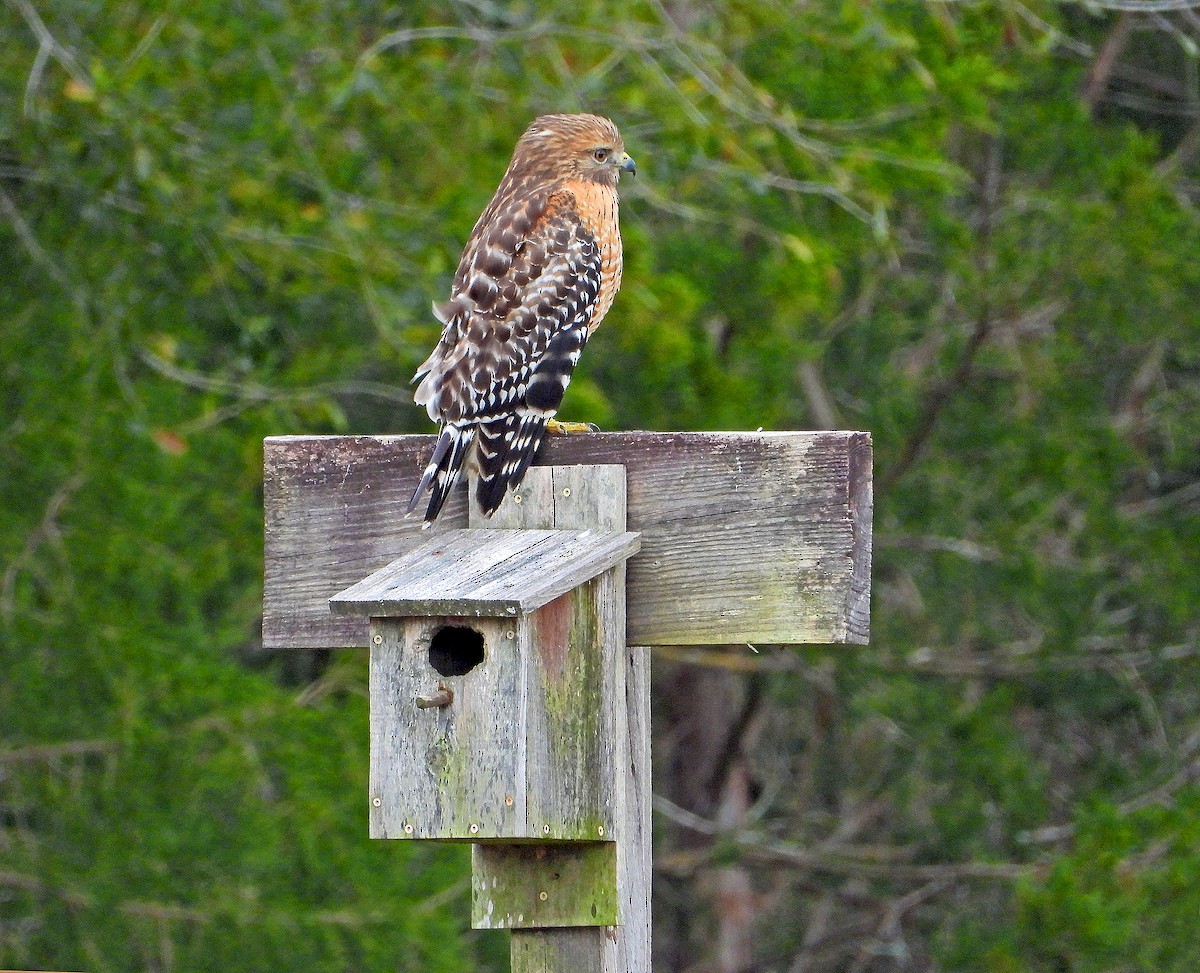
[[576, 497]]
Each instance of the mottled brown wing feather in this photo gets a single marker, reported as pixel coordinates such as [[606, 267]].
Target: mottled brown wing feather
[[519, 314]]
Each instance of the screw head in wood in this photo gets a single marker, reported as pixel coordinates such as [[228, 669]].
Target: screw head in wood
[[566, 491], [508, 801], [378, 640], [516, 498], [408, 829], [600, 831], [545, 829], [510, 634], [474, 829], [376, 802], [543, 896]]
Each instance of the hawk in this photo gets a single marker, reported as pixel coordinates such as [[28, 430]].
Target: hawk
[[536, 278]]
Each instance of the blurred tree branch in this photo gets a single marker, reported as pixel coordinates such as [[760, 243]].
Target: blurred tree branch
[[38, 253], [48, 531], [939, 397], [50, 752], [48, 48], [254, 393], [1106, 59], [867, 863], [1160, 794]]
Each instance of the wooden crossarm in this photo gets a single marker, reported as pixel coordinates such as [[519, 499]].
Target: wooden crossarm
[[746, 537]]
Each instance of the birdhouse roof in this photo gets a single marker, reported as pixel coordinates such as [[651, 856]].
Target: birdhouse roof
[[486, 572]]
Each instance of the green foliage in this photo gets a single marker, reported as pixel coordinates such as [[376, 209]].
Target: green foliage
[[1124, 898], [223, 221]]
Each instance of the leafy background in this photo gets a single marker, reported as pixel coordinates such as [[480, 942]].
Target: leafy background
[[970, 228]]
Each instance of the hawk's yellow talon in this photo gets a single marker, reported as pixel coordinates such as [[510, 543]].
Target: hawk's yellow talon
[[556, 428]]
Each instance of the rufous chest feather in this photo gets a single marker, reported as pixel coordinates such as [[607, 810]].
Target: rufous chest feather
[[597, 208]]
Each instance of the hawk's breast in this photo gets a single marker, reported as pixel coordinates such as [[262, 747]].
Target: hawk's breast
[[597, 209]]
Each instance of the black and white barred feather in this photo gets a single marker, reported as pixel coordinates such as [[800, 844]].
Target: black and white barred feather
[[492, 383]]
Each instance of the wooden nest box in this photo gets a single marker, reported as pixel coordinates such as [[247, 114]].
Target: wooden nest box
[[495, 657]]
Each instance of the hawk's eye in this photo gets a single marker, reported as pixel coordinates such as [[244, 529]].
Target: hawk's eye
[[600, 154]]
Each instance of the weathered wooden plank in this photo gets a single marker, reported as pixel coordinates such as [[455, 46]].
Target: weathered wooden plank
[[746, 537], [634, 865], [565, 951], [583, 496], [571, 717], [441, 564], [860, 495], [550, 886], [563, 497], [486, 572], [446, 773]]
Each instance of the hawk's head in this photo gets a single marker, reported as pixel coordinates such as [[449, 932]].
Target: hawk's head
[[557, 147]]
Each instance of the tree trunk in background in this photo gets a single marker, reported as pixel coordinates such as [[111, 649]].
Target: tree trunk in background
[[731, 889], [1106, 61], [705, 914]]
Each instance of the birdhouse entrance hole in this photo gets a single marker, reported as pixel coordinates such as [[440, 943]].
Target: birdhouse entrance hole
[[455, 650]]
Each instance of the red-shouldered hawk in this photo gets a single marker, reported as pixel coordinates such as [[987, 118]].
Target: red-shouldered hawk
[[536, 278]]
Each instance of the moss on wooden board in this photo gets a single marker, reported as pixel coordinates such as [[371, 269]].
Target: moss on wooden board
[[544, 886]]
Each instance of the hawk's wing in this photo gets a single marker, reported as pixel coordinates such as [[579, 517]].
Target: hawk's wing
[[518, 317]]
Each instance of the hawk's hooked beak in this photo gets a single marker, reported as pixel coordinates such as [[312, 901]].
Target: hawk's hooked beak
[[627, 164]]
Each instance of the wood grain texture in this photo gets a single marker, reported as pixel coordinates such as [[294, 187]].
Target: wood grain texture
[[746, 537], [634, 864], [565, 951], [861, 499], [547, 887], [437, 773], [569, 497], [574, 698], [486, 572]]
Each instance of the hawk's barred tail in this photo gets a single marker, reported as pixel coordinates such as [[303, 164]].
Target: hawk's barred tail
[[507, 444], [445, 467], [506, 448]]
